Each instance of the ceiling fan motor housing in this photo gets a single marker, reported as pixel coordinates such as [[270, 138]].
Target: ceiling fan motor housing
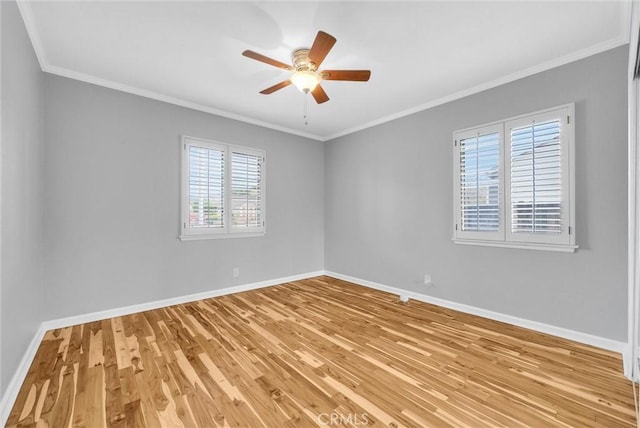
[[300, 59]]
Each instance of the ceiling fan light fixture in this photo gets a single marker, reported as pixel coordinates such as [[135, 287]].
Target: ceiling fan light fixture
[[306, 73], [305, 80]]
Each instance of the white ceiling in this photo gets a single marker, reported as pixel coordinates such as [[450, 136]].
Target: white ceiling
[[420, 53]]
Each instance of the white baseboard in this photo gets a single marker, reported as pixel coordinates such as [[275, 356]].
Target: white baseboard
[[126, 310], [588, 339], [627, 359], [9, 397]]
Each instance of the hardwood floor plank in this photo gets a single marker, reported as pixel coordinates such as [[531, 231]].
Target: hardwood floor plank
[[317, 352], [60, 413], [114, 408], [133, 415], [93, 405]]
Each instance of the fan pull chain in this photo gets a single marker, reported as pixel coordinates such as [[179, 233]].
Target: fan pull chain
[[306, 109]]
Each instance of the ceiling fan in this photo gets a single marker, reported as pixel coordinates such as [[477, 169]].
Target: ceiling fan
[[306, 62]]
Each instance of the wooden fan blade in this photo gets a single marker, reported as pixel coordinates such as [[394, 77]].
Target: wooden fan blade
[[351, 75], [319, 95], [267, 60], [321, 47], [276, 87]]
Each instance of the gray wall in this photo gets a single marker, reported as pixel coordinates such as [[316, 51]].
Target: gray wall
[[388, 205], [22, 190], [112, 195]]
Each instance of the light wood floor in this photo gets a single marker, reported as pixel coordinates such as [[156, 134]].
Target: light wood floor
[[318, 352]]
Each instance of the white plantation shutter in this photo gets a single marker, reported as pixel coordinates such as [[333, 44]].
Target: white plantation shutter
[[246, 190], [479, 158], [223, 190], [206, 187], [538, 178], [478, 189], [536, 181]]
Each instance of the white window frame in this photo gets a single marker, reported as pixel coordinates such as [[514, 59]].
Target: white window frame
[[504, 237], [227, 231]]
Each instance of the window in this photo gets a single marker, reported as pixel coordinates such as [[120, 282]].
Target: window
[[223, 190], [513, 182]]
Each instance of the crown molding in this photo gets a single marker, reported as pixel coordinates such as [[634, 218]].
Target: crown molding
[[557, 62], [27, 16], [64, 72], [29, 23]]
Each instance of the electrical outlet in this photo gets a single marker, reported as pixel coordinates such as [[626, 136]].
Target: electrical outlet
[[427, 280], [236, 272]]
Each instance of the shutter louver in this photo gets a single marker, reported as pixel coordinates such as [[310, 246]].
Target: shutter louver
[[206, 187], [479, 183], [246, 190], [536, 185]]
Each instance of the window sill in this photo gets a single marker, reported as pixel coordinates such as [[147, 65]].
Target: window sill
[[220, 236], [519, 245]]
